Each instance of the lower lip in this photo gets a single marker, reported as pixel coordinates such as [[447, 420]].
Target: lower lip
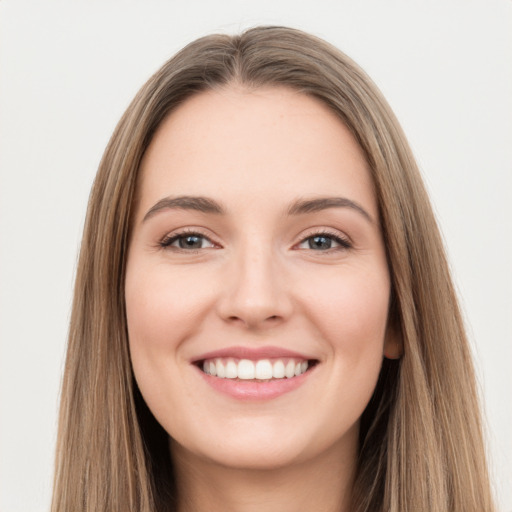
[[254, 390]]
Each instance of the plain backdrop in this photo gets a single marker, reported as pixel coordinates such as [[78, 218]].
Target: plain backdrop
[[68, 70]]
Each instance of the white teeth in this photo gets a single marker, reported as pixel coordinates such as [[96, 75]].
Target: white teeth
[[245, 369], [278, 370], [290, 369], [231, 370], [263, 369], [221, 369]]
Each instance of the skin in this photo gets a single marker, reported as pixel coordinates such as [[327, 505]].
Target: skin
[[256, 281]]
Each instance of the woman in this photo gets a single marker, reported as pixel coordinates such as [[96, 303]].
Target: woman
[[263, 314]]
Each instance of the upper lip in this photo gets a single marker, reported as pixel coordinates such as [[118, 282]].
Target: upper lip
[[252, 353]]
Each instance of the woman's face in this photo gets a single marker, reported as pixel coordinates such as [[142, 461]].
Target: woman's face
[[256, 253]]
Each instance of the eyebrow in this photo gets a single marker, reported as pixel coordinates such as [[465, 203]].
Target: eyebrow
[[197, 203], [323, 203], [299, 207]]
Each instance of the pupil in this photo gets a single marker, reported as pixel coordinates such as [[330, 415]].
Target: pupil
[[320, 242], [190, 242]]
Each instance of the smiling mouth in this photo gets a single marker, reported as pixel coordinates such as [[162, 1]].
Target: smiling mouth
[[261, 370]]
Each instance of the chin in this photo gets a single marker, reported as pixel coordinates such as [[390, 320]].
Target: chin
[[262, 446], [254, 457]]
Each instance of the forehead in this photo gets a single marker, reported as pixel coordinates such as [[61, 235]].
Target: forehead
[[240, 145]]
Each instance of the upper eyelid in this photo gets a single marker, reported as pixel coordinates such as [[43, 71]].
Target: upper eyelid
[[193, 230], [334, 233], [171, 237], [323, 231], [341, 244]]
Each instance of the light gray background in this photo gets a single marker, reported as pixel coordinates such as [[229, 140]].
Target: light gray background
[[68, 71]]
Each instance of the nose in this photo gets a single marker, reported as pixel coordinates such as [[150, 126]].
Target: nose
[[255, 293]]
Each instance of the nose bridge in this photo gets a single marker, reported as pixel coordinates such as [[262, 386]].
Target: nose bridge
[[256, 292]]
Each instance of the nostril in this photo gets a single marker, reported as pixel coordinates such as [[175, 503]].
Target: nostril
[[235, 318]]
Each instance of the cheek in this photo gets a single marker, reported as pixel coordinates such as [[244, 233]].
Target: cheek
[[162, 307], [161, 317], [348, 309], [351, 310]]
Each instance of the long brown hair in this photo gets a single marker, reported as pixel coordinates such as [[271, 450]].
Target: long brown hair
[[421, 444]]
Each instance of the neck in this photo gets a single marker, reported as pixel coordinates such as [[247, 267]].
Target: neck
[[323, 484]]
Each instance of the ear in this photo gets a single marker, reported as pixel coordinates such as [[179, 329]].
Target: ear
[[393, 341]]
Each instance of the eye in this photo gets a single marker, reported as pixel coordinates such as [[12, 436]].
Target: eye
[[324, 242], [187, 241]]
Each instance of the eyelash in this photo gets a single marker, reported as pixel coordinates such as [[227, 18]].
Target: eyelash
[[343, 242], [167, 241]]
